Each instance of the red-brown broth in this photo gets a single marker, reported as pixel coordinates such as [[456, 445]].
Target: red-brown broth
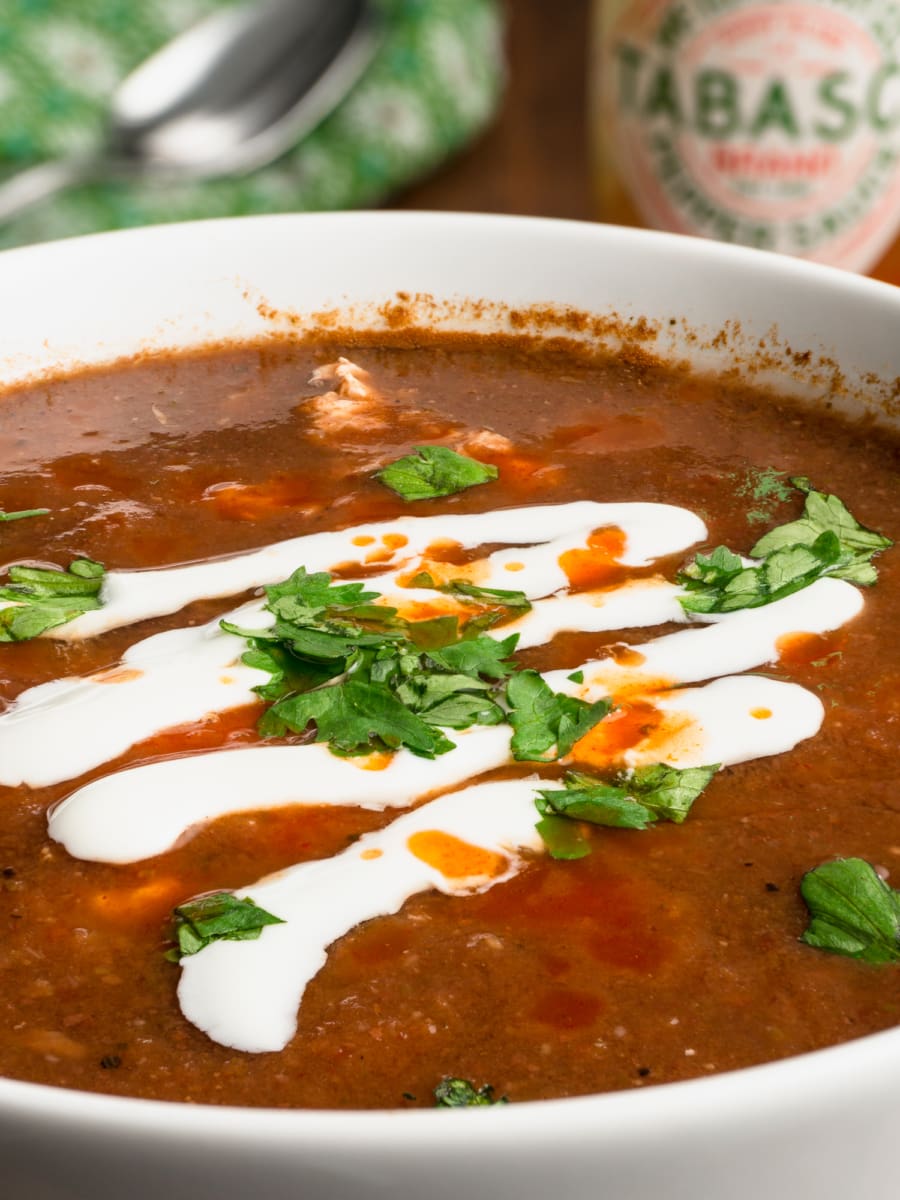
[[665, 955]]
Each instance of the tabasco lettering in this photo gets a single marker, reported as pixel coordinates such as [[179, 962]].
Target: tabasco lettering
[[775, 125]]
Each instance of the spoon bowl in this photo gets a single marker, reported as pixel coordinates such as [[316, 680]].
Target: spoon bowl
[[226, 97]]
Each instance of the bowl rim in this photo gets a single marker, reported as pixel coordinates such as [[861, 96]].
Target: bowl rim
[[755, 1096]]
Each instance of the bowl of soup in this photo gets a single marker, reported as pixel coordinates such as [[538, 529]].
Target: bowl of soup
[[447, 662]]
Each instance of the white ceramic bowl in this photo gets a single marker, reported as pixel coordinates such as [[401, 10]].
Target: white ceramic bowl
[[822, 1125]]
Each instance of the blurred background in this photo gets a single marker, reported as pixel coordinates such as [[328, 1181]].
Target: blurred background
[[775, 124], [469, 104]]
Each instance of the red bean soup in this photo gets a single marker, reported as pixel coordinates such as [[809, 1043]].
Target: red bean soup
[[438, 720]]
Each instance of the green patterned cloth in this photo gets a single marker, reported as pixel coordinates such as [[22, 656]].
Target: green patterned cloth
[[433, 85]]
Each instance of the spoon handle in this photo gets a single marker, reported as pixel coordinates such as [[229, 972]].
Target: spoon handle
[[37, 183]]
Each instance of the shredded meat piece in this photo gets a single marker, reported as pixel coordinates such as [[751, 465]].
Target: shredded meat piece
[[355, 411]]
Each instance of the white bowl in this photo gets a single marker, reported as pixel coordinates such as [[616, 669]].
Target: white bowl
[[819, 1125]]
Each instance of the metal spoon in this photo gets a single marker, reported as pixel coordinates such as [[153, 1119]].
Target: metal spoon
[[229, 95]]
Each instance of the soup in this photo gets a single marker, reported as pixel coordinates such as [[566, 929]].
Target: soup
[[486, 882]]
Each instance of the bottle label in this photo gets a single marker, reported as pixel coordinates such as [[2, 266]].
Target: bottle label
[[775, 125]]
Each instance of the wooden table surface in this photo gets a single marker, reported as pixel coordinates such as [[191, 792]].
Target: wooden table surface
[[533, 159]]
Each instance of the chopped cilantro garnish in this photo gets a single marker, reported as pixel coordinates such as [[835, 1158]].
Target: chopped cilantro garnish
[[365, 678], [25, 512], [434, 471], [547, 724], [41, 598], [355, 717], [827, 514], [853, 911], [826, 540], [631, 801], [459, 1093], [219, 916], [563, 838]]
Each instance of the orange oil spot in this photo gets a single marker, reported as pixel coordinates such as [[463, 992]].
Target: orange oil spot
[[379, 556], [446, 550], [599, 564], [395, 541], [445, 572], [426, 610], [514, 566], [625, 656], [363, 539], [629, 724], [118, 675], [761, 714], [373, 762], [453, 857], [369, 855], [802, 649]]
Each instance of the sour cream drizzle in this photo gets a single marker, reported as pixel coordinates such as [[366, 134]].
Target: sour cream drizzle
[[651, 530], [245, 994]]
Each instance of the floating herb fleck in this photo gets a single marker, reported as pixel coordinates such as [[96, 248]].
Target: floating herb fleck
[[434, 471]]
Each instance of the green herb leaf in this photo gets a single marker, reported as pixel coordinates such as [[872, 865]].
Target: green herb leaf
[[219, 916], [25, 512], [669, 792], [852, 910], [356, 717], [478, 656], [43, 598], [826, 540], [824, 513], [434, 471], [361, 675], [633, 800], [600, 804], [563, 838], [547, 724], [459, 1093]]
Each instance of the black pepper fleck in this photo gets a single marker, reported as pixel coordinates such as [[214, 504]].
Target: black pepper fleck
[[772, 887], [643, 1072], [109, 1062]]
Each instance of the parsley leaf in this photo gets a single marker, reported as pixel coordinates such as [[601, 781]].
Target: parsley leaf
[[599, 803], [823, 513], [434, 471], [355, 717], [852, 910], [366, 678], [547, 724], [25, 512], [826, 540], [563, 838], [478, 656], [669, 792], [43, 598], [634, 800], [219, 916], [459, 1093]]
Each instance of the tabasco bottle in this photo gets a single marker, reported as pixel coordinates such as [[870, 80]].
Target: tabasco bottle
[[770, 124]]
